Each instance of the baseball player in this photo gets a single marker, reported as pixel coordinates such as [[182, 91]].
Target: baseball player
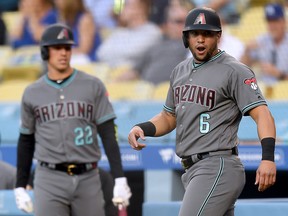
[[208, 95], [61, 115]]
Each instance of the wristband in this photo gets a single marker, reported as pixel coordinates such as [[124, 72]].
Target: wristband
[[148, 128], [268, 148]]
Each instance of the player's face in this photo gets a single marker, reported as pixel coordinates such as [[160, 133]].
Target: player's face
[[203, 44], [59, 57]]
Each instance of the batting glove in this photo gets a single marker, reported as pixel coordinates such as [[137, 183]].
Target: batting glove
[[121, 192], [23, 200]]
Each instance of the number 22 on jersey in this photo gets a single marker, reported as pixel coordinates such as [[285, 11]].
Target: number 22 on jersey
[[83, 136]]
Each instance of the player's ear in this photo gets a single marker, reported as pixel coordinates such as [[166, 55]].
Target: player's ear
[[219, 34], [185, 36], [44, 53]]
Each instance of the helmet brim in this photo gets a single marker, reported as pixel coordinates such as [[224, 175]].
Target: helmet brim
[[202, 27], [58, 42]]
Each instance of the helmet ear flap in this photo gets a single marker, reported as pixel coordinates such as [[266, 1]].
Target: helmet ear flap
[[185, 40], [44, 53]]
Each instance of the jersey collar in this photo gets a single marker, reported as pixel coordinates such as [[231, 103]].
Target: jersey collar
[[63, 84], [197, 65]]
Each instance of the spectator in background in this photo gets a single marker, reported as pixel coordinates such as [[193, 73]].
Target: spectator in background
[[86, 34], [134, 35], [156, 64], [157, 12], [229, 43], [269, 51], [229, 10], [9, 5], [158, 8], [7, 176], [35, 16], [3, 30], [102, 11]]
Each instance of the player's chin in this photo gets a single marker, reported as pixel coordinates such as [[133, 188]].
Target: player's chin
[[201, 58], [62, 67]]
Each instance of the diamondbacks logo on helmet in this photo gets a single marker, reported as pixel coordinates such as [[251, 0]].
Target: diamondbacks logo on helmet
[[252, 82], [200, 19], [63, 34]]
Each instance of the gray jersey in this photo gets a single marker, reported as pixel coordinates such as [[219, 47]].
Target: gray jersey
[[209, 100], [64, 117]]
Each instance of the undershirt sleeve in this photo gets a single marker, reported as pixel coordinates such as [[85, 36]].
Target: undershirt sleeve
[[25, 152], [107, 133]]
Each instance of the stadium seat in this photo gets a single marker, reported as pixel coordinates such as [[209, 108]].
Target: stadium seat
[[280, 91], [243, 207], [161, 90], [11, 18], [117, 71], [8, 205], [12, 90], [279, 109], [100, 70], [10, 119], [130, 113], [252, 24], [5, 53], [24, 63], [131, 90]]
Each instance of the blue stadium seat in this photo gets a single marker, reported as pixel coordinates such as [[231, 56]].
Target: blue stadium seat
[[245, 207], [279, 110], [10, 122], [8, 205], [131, 113]]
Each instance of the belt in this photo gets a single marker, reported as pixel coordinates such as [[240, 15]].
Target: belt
[[187, 162], [70, 168]]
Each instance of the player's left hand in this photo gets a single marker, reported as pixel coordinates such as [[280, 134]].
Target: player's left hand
[[121, 192], [265, 175]]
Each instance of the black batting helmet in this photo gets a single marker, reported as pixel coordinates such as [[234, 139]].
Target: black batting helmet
[[201, 19], [55, 34]]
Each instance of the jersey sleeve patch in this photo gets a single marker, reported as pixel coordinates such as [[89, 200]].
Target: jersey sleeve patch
[[252, 83]]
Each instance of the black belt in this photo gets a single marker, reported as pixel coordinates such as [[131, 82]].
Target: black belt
[[187, 162], [70, 168]]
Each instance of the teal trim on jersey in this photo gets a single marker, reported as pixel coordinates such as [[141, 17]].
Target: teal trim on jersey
[[168, 109], [25, 131], [196, 65], [252, 105], [106, 118], [221, 168], [61, 85]]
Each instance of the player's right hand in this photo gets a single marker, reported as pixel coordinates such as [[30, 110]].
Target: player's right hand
[[23, 200], [136, 133], [121, 192]]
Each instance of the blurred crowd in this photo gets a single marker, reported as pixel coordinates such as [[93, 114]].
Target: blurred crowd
[[144, 37]]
